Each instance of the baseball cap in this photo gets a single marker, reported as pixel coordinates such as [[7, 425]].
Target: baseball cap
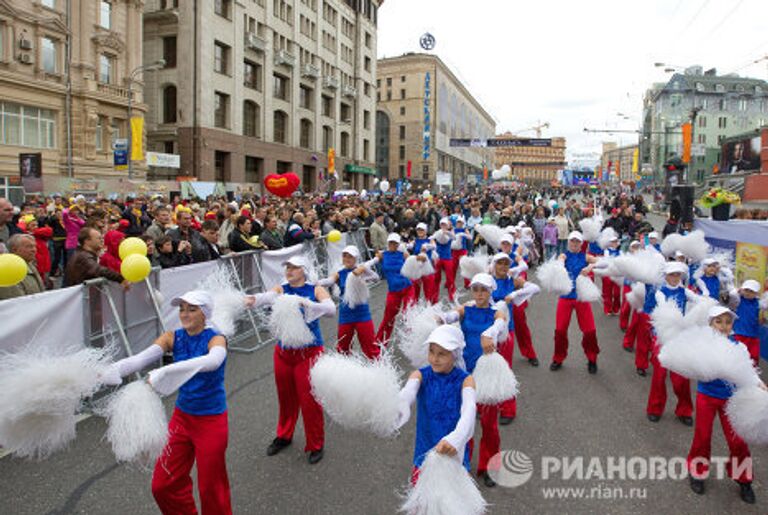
[[716, 311], [352, 251], [500, 256], [675, 267], [634, 243], [394, 237], [709, 261], [445, 221], [448, 337], [484, 280], [751, 285], [421, 226], [653, 235], [297, 261], [576, 235], [198, 298], [507, 238]]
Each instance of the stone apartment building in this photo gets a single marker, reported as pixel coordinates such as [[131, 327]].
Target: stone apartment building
[[534, 165]]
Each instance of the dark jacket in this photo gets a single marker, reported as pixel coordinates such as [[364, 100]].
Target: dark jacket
[[136, 224], [238, 241], [173, 259], [272, 240], [84, 265], [206, 252]]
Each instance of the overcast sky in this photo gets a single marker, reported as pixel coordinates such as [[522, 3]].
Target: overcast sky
[[576, 64]]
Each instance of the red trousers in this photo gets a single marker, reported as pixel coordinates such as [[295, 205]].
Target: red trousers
[[490, 442], [644, 332], [430, 289], [522, 332], [507, 350], [396, 300], [739, 466], [294, 392], [200, 439], [565, 308], [446, 266], [753, 346], [456, 256], [365, 335], [657, 397], [626, 310], [611, 297]]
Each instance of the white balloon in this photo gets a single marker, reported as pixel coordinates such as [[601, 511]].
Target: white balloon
[[498, 175], [506, 169], [375, 181], [384, 186], [426, 194]]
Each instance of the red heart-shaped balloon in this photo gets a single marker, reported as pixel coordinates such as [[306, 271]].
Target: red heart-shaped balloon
[[282, 185]]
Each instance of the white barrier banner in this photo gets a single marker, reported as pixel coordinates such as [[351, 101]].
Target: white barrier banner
[[51, 316], [177, 281], [272, 273]]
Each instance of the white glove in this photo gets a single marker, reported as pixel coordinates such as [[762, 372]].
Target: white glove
[[110, 376], [407, 396], [166, 380], [315, 310]]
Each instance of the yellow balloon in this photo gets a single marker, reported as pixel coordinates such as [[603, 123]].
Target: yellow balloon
[[130, 246], [13, 269], [135, 268], [334, 236]]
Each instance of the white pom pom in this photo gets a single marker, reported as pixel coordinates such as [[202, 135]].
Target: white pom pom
[[491, 234], [412, 269], [471, 266], [694, 246], [636, 297], [590, 228], [358, 393], [606, 236], [586, 290], [412, 330], [747, 411], [494, 380], [667, 319], [554, 278], [137, 425], [702, 354], [444, 487], [697, 313], [356, 291], [41, 389], [671, 244], [427, 268], [287, 322], [645, 266], [228, 301]]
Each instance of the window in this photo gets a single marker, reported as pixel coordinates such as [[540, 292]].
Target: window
[[221, 7], [27, 126], [280, 126], [389, 81], [345, 112], [168, 147], [389, 94], [169, 4], [402, 78], [402, 111], [51, 4], [305, 133], [169, 51], [252, 75], [366, 119], [114, 127], [366, 149], [402, 152], [344, 144], [105, 14], [719, 88], [327, 138], [250, 119], [327, 106], [743, 104], [220, 58], [106, 68], [722, 104], [280, 87], [368, 40], [169, 104], [305, 97], [702, 121], [402, 132], [702, 138], [367, 64], [252, 169], [366, 89], [98, 142], [221, 110], [401, 170], [48, 51], [722, 122], [221, 166]]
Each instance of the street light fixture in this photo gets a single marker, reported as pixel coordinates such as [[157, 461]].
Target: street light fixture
[[157, 65]]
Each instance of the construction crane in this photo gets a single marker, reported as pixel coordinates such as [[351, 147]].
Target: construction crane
[[536, 128]]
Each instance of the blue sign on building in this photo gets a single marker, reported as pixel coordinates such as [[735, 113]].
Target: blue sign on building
[[427, 149]]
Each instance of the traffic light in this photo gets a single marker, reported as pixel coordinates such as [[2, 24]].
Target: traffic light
[[674, 164]]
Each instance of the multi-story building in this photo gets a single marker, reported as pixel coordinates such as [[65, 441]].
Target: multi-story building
[[725, 105], [257, 87], [64, 88], [422, 105], [617, 162], [534, 165]]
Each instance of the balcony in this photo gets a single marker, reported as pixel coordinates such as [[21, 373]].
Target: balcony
[[284, 58], [349, 91], [310, 70], [254, 42], [112, 90], [330, 82]]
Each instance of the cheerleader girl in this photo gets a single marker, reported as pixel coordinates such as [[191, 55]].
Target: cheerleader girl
[[460, 245], [443, 239], [423, 245], [746, 329], [482, 324], [198, 429], [627, 316], [399, 288], [522, 332], [710, 278], [611, 290]]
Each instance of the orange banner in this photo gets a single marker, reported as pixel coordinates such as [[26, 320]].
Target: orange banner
[[687, 140]]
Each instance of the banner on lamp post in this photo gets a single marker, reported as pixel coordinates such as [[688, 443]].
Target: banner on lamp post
[[687, 140], [331, 161], [137, 138]]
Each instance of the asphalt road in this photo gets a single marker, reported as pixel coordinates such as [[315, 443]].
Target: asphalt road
[[568, 414]]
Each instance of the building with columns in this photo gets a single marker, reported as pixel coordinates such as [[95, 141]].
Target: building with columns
[[533, 165]]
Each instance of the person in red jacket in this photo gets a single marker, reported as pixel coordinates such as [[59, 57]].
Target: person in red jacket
[[42, 236], [111, 258]]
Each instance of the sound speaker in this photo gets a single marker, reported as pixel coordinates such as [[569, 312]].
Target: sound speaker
[[681, 203]]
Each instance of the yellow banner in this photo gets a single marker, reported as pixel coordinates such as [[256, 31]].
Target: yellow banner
[[331, 161], [137, 138], [750, 262], [635, 159]]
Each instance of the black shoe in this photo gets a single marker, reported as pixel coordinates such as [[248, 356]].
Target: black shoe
[[686, 421], [315, 456], [277, 445], [534, 362], [746, 493], [555, 366], [641, 372], [487, 480], [697, 485], [629, 349], [653, 418], [505, 421], [592, 367]]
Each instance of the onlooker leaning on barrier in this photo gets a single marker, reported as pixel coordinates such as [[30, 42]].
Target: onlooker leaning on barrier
[[240, 238], [270, 236], [7, 227], [378, 232], [168, 257], [138, 221], [23, 245], [228, 226], [160, 224], [209, 251], [296, 233], [84, 263], [185, 238]]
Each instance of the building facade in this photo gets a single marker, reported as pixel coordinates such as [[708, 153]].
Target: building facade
[[421, 106], [64, 88], [257, 87], [533, 165], [617, 162], [726, 105]]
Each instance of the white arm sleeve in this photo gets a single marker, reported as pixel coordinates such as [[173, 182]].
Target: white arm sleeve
[[265, 299], [498, 328], [325, 283], [442, 237], [519, 269], [407, 397], [702, 287], [115, 373], [525, 293], [166, 380], [371, 263], [450, 317], [315, 310], [465, 427]]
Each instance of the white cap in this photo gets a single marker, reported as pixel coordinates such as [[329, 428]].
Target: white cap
[[484, 280], [634, 243], [421, 226], [551, 219], [653, 235], [576, 235], [79, 198], [352, 251], [500, 256], [716, 311], [299, 262], [445, 221], [751, 285], [460, 219], [198, 298], [448, 337], [675, 267], [679, 254], [394, 237], [507, 238], [709, 261]]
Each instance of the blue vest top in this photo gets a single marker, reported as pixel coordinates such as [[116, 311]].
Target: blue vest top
[[418, 243], [678, 294], [613, 252], [438, 405], [443, 250], [713, 285], [594, 249], [203, 394], [391, 263], [748, 323], [649, 304], [306, 291], [718, 388], [575, 262], [475, 321], [347, 315], [503, 288]]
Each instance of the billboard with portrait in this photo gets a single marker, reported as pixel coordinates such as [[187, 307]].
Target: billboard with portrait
[[741, 155], [31, 171]]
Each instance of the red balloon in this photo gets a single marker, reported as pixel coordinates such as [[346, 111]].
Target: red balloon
[[282, 185]]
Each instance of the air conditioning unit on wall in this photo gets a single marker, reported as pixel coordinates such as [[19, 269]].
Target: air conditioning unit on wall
[[25, 44], [25, 58]]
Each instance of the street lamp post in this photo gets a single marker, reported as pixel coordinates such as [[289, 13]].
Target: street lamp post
[[157, 65]]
